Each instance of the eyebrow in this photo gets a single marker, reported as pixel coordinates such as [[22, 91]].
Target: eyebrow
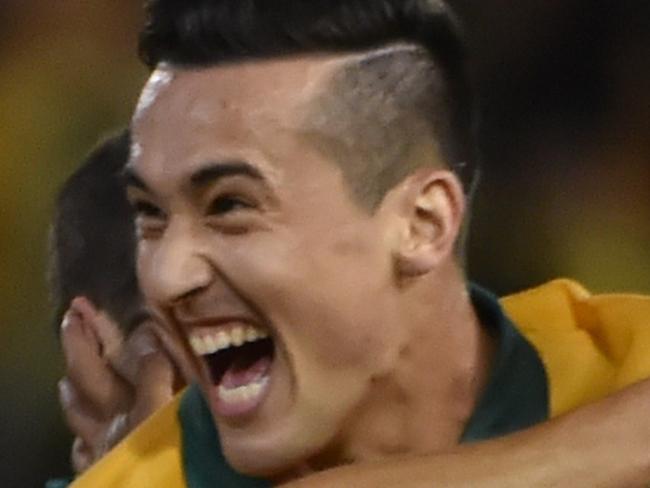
[[209, 173], [215, 170]]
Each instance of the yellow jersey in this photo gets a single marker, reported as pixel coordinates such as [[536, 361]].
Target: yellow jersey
[[559, 347]]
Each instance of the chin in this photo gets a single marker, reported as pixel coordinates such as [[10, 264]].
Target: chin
[[284, 448], [266, 459]]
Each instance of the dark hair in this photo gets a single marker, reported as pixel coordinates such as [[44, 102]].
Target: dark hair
[[208, 32], [92, 241]]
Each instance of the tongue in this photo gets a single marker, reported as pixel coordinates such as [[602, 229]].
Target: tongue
[[240, 375]]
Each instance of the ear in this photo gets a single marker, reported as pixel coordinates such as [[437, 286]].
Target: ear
[[432, 206]]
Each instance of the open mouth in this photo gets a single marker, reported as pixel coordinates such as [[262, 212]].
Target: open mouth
[[238, 359]]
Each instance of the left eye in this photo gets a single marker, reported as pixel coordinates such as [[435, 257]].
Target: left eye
[[226, 204]]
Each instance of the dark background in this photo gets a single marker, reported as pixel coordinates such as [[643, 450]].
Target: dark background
[[565, 190]]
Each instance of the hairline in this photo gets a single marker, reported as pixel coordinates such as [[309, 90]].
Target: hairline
[[336, 63]]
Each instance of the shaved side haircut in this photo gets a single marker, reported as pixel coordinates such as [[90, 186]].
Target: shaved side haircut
[[384, 114], [92, 240], [404, 90]]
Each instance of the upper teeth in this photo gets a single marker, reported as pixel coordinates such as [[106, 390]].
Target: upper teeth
[[209, 343]]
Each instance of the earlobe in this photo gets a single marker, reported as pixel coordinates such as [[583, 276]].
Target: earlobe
[[434, 205]]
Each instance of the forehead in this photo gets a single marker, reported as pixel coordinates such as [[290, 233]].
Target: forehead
[[190, 114]]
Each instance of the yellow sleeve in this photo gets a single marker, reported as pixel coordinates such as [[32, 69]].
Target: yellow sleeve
[[591, 345], [151, 456]]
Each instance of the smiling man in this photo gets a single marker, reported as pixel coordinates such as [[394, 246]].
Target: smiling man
[[298, 219], [305, 306], [300, 173]]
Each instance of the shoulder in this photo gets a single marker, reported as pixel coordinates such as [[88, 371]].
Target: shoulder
[[591, 345]]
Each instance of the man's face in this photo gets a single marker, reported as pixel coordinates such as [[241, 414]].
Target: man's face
[[253, 248]]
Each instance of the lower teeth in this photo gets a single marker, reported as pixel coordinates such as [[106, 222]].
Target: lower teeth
[[242, 393]]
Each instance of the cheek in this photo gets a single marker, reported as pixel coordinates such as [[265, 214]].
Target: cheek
[[330, 306], [145, 269]]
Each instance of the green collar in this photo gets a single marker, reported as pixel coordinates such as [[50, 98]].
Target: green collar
[[516, 397], [205, 466]]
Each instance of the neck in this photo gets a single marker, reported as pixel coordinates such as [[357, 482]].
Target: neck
[[424, 403]]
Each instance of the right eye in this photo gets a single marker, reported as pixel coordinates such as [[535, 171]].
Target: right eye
[[150, 221], [148, 210]]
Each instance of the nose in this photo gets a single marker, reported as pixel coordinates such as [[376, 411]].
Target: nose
[[176, 269]]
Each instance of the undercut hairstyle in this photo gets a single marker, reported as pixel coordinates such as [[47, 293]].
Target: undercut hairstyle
[[384, 114], [406, 84], [92, 239]]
